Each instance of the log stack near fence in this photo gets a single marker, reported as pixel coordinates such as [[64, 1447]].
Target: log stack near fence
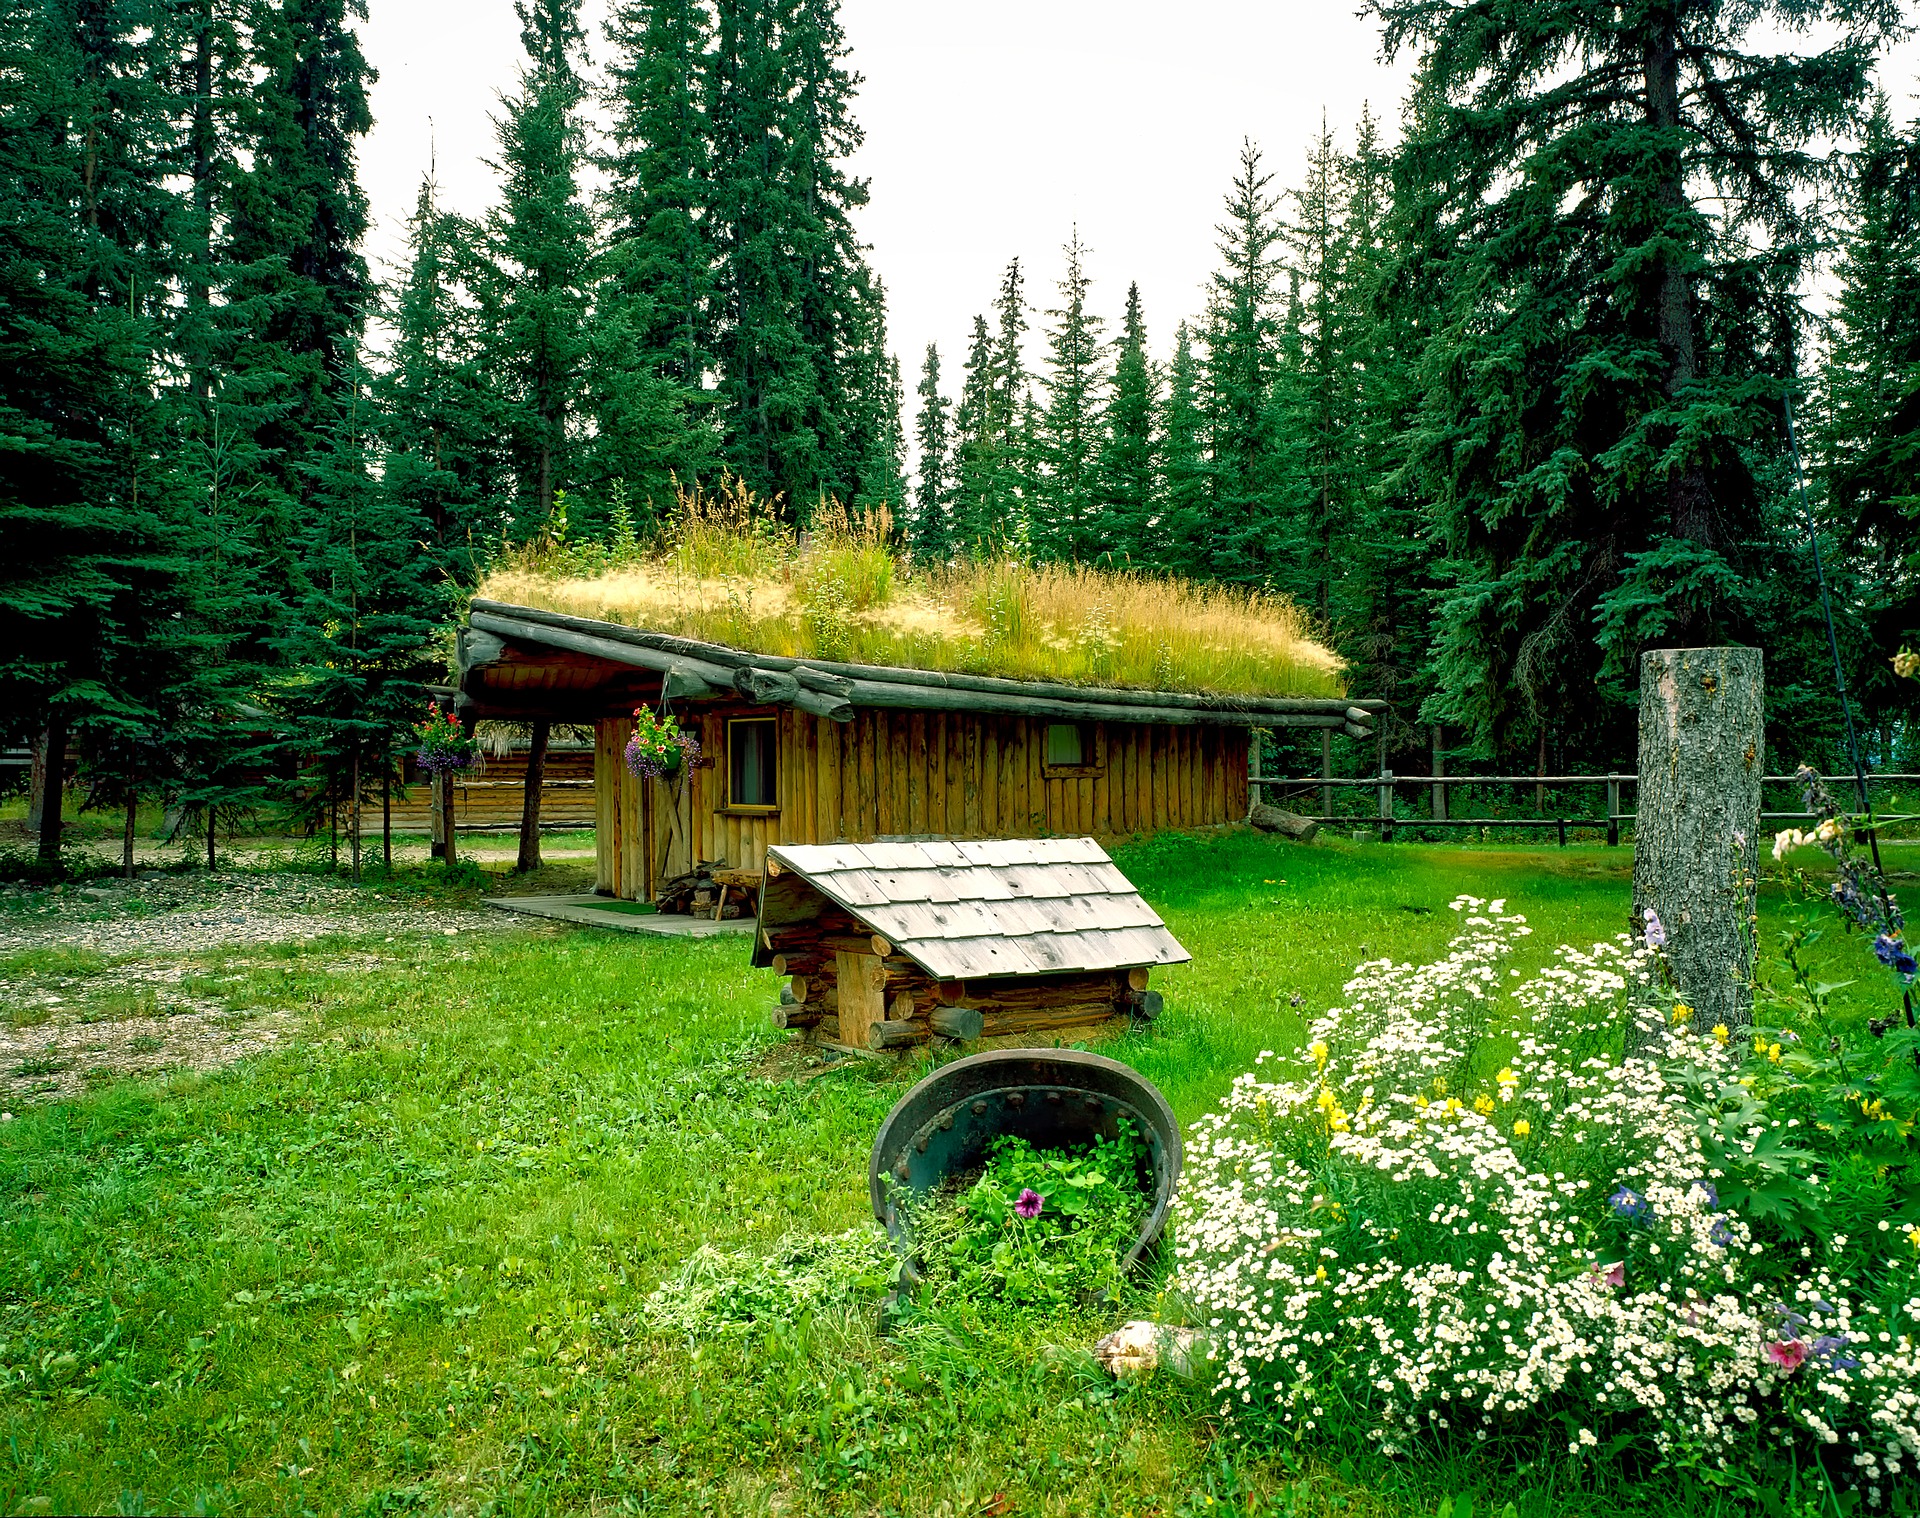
[[888, 945]]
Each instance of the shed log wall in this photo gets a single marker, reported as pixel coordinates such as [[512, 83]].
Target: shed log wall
[[901, 773]]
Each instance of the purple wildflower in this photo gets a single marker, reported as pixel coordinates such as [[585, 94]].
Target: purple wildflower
[[1028, 1204], [1656, 930], [1720, 1235], [1631, 1205], [1828, 1346], [1894, 954]]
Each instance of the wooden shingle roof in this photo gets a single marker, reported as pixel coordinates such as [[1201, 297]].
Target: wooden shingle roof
[[998, 907]]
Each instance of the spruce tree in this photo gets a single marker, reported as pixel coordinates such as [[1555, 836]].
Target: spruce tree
[[296, 292], [1128, 478], [539, 245], [932, 530], [1004, 506], [976, 446], [1608, 371], [440, 413], [1186, 535], [1241, 358], [1067, 523], [654, 303], [1867, 427]]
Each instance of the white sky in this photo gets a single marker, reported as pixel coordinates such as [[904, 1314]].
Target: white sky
[[993, 126]]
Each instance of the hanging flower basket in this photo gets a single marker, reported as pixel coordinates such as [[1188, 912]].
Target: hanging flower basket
[[658, 748], [444, 744]]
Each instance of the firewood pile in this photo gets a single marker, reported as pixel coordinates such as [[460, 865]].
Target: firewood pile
[[696, 892]]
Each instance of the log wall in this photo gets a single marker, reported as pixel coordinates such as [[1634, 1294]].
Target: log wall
[[915, 774]]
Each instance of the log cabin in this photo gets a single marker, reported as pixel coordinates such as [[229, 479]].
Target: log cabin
[[818, 752]]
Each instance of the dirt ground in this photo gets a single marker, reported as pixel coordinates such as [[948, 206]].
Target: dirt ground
[[111, 979]]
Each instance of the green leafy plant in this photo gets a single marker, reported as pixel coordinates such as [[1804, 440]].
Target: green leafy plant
[[1038, 1229]]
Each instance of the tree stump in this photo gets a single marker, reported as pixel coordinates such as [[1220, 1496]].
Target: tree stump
[[1696, 832]]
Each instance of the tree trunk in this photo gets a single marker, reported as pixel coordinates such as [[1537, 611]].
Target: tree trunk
[[530, 806], [386, 816], [353, 815], [53, 787], [213, 862], [1696, 835], [126, 836], [445, 782], [37, 784]]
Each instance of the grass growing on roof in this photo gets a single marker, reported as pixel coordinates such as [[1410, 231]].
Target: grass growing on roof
[[726, 572]]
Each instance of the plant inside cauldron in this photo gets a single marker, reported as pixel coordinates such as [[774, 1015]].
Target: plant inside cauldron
[[1037, 1228], [658, 746]]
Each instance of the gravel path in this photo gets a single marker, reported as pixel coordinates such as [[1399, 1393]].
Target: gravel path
[[192, 914], [65, 1027]]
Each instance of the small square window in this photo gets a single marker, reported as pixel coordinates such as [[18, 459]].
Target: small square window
[[752, 746], [1065, 743]]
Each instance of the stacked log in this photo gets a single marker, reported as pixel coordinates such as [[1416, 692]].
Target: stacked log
[[696, 891], [895, 1004]]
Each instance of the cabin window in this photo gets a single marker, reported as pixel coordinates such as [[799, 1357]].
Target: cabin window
[[752, 746], [1066, 743]]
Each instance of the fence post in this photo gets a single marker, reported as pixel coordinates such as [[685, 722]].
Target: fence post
[[1439, 769], [1326, 772], [1386, 806], [1613, 811]]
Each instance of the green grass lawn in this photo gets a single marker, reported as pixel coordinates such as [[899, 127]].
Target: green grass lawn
[[396, 1265]]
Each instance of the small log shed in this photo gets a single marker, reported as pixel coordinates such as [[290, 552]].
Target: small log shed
[[888, 945]]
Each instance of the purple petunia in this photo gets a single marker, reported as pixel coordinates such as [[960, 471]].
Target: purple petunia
[[1028, 1204]]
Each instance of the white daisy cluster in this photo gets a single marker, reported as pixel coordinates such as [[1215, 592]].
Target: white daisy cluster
[[1390, 1237]]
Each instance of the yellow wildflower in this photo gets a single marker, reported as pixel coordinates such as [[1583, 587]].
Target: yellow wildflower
[[1522, 1128], [1440, 1085], [1507, 1078], [1722, 1032], [1913, 1237], [1318, 1049], [1320, 1273], [1773, 1053], [1453, 1105], [1483, 1105], [1681, 1013], [1420, 1102]]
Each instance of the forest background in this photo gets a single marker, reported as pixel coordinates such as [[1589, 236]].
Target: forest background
[[1500, 404]]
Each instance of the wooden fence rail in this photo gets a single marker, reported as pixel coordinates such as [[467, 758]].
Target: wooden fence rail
[[1386, 783]]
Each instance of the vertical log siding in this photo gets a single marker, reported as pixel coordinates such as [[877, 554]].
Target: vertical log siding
[[939, 774]]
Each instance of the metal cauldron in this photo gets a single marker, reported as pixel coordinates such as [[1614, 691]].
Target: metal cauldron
[[1052, 1098]]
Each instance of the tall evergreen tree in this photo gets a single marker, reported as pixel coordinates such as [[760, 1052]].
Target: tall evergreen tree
[[932, 533], [540, 245], [438, 408], [1613, 349], [1068, 524], [1241, 356], [976, 446], [1128, 479], [1868, 430], [653, 315], [1186, 534], [295, 289]]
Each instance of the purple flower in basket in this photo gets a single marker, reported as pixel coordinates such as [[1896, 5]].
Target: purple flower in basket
[[436, 762], [657, 748], [1028, 1204]]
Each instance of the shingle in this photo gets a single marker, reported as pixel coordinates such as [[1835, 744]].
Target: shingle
[[991, 907]]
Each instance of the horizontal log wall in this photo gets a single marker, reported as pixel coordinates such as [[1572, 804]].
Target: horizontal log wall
[[919, 774]]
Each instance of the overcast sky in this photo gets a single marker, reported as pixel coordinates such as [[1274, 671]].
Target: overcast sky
[[992, 126]]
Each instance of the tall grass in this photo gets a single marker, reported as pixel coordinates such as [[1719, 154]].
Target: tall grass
[[727, 571]]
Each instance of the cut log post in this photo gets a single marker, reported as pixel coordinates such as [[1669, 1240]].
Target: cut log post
[[841, 943], [799, 986], [1697, 829], [530, 798], [1273, 819], [862, 983], [887, 1034], [964, 1023], [1145, 1005], [900, 1007], [950, 993], [1138, 977], [765, 686]]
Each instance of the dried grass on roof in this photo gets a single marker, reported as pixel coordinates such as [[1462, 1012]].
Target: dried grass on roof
[[726, 572]]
